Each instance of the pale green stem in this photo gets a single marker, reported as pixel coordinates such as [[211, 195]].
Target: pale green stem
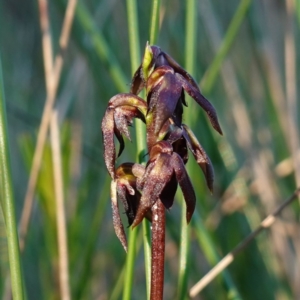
[[134, 41], [190, 50], [154, 21], [140, 138], [211, 74], [298, 10], [8, 203]]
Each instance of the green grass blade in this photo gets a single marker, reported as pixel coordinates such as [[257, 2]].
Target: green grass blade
[[235, 24], [190, 38], [190, 63], [190, 50], [8, 202], [154, 21], [209, 249], [130, 262], [101, 47], [147, 254], [184, 261], [134, 41], [298, 11], [87, 252], [140, 134], [4, 267]]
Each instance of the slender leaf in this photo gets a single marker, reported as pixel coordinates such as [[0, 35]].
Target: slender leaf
[[7, 200]]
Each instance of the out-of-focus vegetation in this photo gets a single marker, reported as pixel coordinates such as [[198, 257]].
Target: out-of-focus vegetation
[[257, 161]]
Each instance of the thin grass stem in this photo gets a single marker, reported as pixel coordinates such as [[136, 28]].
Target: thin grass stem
[[291, 88], [46, 42], [190, 51], [130, 262], [210, 252], [141, 142], [56, 156], [134, 41], [154, 21], [87, 253], [212, 72], [147, 254], [7, 201], [117, 290], [46, 117], [297, 3], [63, 256], [229, 258]]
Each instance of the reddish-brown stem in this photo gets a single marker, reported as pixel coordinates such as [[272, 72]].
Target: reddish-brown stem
[[158, 251]]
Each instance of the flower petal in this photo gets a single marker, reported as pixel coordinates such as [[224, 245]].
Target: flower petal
[[118, 226], [156, 78], [177, 115], [121, 122], [180, 70], [166, 97], [168, 193], [107, 127], [200, 156], [127, 99], [122, 108], [185, 184], [202, 101], [148, 63], [130, 202], [124, 169], [158, 148], [127, 189], [120, 139], [123, 117], [180, 147], [138, 170], [137, 83], [159, 176]]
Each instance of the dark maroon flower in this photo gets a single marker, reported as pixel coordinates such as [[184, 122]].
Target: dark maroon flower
[[124, 188], [146, 191], [164, 80], [168, 140], [122, 108], [162, 167]]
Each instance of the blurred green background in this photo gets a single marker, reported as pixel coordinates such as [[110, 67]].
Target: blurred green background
[[247, 63]]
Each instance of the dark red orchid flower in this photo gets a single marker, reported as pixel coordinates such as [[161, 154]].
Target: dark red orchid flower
[[145, 191], [164, 80], [164, 165], [124, 188], [122, 108], [168, 140]]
